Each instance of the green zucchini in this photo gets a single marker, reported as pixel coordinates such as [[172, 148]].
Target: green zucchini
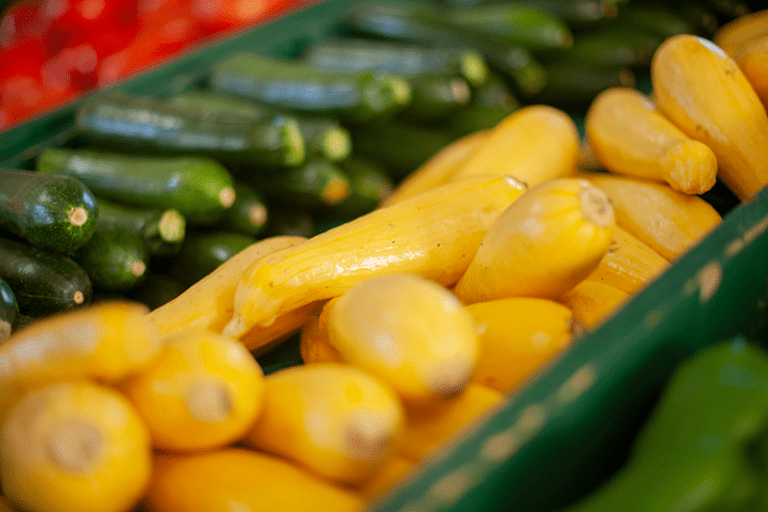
[[9, 311], [401, 147], [476, 118], [317, 183], [417, 23], [23, 321], [435, 98], [152, 126], [44, 282], [572, 86], [204, 251], [296, 86], [515, 24], [56, 213], [199, 187], [574, 13], [346, 55], [249, 214], [115, 258], [613, 47], [658, 20], [323, 136], [286, 221], [156, 290], [369, 184], [163, 229]]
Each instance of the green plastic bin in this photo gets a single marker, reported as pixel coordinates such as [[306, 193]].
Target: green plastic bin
[[572, 425]]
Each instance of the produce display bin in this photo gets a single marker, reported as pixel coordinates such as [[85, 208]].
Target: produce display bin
[[570, 426]]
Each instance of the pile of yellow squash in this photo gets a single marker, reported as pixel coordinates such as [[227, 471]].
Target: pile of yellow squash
[[415, 319]]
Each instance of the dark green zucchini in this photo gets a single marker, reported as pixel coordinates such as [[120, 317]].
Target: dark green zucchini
[[323, 136], [286, 221], [369, 184], [199, 187], [574, 13], [115, 258], [435, 98], [401, 147], [249, 214], [56, 213], [490, 105], [417, 23], [317, 183], [9, 311], [349, 55], [44, 282], [613, 47], [573, 86], [296, 86], [23, 321], [163, 229], [204, 251], [156, 290], [655, 19], [137, 124]]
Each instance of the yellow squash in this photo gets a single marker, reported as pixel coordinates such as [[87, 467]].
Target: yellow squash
[[332, 418], [702, 90], [239, 479], [410, 331], [438, 170], [630, 136], [535, 144], [314, 345], [203, 390], [103, 342], [427, 428], [593, 302], [752, 58], [74, 447], [209, 303], [548, 240], [385, 479], [518, 336], [736, 33], [629, 264], [667, 221], [434, 234]]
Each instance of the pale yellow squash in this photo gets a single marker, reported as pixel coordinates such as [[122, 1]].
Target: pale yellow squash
[[74, 447], [433, 234], [544, 243], [630, 136], [437, 170], [534, 144], [332, 418], [204, 390], [410, 331], [667, 221], [235, 479], [519, 336], [702, 90]]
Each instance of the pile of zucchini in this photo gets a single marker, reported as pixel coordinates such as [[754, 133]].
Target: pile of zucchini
[[156, 192]]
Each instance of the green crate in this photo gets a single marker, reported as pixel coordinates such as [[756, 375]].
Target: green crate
[[571, 426]]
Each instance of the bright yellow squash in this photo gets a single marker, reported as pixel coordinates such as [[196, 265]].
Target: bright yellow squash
[[239, 479], [314, 345], [629, 264], [410, 331], [548, 240], [204, 390], [752, 58], [438, 170], [332, 418], [702, 90], [434, 234], [386, 478], [535, 144], [74, 447], [593, 302], [209, 303], [630, 136], [736, 33], [427, 428], [667, 221], [518, 336]]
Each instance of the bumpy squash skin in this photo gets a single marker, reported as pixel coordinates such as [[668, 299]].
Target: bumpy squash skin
[[702, 90], [212, 481], [535, 144], [630, 136], [75, 447], [333, 418], [544, 243], [434, 234]]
